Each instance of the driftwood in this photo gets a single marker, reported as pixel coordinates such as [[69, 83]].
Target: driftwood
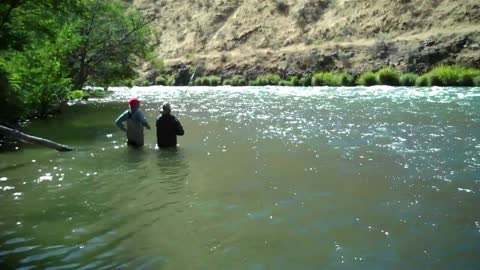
[[13, 133]]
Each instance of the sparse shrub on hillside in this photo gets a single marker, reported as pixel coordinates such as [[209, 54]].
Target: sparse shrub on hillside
[[282, 6], [223, 58], [408, 79], [382, 49], [367, 79], [388, 76], [311, 11]]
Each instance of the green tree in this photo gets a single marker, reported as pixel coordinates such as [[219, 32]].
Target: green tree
[[49, 47], [113, 36]]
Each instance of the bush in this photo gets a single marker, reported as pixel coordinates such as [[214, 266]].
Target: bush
[[171, 81], [285, 83], [282, 6], [346, 79], [160, 80], [141, 82], [408, 79], [444, 76], [422, 81], [198, 81], [214, 81], [324, 79], [236, 80], [306, 80], [452, 76], [38, 79], [128, 83], [228, 82], [263, 80], [295, 81], [466, 80], [388, 76], [367, 79]]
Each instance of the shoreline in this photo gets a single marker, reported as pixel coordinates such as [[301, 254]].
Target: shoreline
[[448, 76]]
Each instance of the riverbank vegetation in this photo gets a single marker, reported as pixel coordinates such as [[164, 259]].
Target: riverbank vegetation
[[50, 48], [439, 76]]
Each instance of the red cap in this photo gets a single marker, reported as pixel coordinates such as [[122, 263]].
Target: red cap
[[133, 101]]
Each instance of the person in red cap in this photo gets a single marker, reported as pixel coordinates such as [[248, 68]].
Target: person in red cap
[[135, 123]]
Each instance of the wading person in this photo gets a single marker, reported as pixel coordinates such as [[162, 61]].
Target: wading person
[[168, 128], [135, 123]]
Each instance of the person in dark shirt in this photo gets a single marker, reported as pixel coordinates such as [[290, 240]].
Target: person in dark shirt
[[168, 128]]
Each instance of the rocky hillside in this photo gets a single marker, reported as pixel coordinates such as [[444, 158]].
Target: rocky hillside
[[292, 36]]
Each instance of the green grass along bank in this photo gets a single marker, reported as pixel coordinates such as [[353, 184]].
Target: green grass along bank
[[439, 76]]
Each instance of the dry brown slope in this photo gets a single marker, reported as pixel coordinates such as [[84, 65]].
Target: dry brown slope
[[226, 32]]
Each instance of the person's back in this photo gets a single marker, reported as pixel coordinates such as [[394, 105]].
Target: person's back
[[135, 123], [168, 128]]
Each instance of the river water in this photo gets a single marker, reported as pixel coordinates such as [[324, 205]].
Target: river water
[[264, 178]]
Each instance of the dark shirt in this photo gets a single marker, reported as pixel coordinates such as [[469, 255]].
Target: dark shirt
[[168, 127]]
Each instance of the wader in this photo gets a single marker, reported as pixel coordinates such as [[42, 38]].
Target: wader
[[134, 131]]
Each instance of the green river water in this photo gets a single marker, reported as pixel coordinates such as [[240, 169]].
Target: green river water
[[264, 178]]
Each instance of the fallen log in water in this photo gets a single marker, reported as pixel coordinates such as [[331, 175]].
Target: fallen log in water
[[15, 134]]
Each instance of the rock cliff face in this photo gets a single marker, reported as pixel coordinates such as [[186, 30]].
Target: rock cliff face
[[291, 36]]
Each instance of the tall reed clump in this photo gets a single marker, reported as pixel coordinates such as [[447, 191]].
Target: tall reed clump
[[291, 81], [236, 80], [208, 81], [332, 79], [452, 76], [306, 80], [324, 79], [408, 79], [388, 76], [268, 79], [346, 79], [214, 81], [367, 79], [422, 81], [160, 80]]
